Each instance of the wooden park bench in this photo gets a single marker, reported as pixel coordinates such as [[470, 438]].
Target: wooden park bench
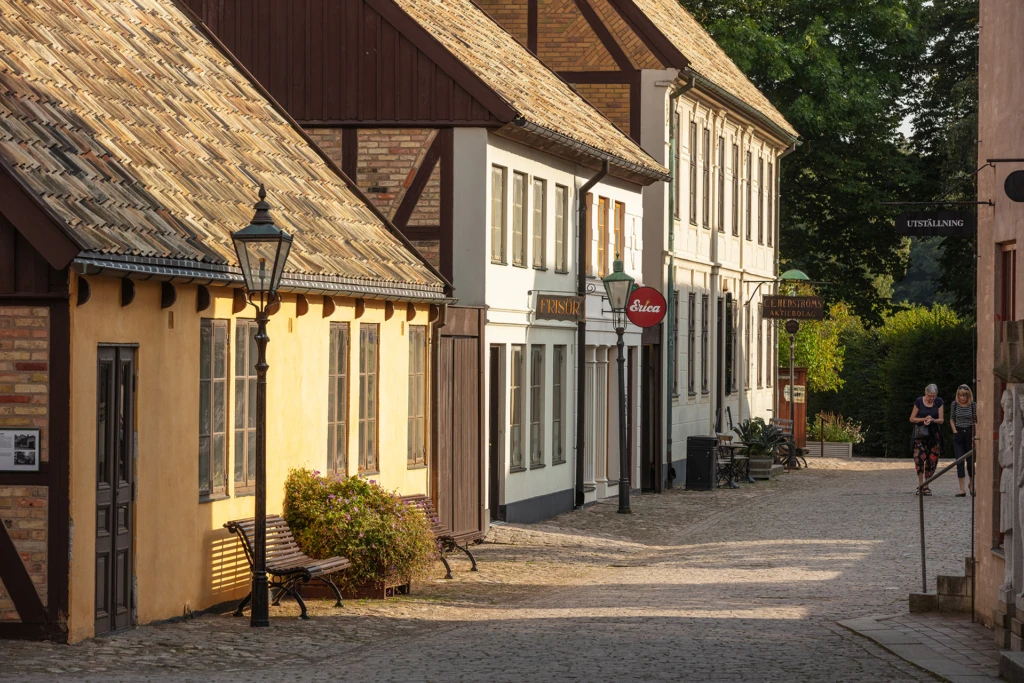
[[287, 565], [447, 541]]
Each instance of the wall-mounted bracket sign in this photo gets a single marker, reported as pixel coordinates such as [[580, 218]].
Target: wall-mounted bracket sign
[[936, 223], [779, 307], [645, 307], [19, 450], [560, 307]]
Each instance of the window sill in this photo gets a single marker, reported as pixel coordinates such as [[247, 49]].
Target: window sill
[[560, 462], [691, 394], [519, 265], [537, 466], [419, 466], [243, 493], [213, 498], [540, 267], [561, 272], [368, 473], [514, 470], [498, 263], [998, 552]]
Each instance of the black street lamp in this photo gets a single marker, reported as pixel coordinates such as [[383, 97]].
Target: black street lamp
[[618, 285], [262, 250]]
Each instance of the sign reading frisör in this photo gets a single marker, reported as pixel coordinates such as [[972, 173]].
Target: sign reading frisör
[[560, 307], [646, 307], [793, 307], [941, 223]]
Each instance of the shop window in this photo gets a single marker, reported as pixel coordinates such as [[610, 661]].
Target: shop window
[[540, 222], [246, 355], [770, 355], [213, 406], [369, 396], [705, 324], [691, 344], [746, 345], [417, 395], [337, 399], [730, 345], [536, 405], [498, 220], [561, 228], [516, 414], [558, 406], [760, 350], [519, 219]]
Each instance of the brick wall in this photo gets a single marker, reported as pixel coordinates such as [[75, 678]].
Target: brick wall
[[24, 387], [631, 44], [611, 98], [565, 41], [510, 14], [23, 511]]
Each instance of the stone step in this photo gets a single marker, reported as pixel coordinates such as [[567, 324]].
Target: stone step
[[1011, 666]]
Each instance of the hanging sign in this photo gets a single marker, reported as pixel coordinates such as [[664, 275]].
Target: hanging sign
[[793, 307], [19, 450], [936, 223], [560, 307], [799, 393], [645, 307]]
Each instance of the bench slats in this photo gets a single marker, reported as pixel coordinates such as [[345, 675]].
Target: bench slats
[[284, 556]]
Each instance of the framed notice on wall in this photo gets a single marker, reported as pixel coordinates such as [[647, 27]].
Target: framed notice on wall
[[19, 450]]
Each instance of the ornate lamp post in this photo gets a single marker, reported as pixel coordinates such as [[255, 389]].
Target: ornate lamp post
[[262, 250], [618, 285]]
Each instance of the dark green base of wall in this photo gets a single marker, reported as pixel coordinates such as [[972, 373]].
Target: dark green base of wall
[[537, 509]]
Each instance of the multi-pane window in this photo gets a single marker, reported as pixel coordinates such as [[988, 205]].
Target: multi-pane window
[[213, 406], [498, 190], [620, 231], [558, 405], [602, 236], [417, 453], [770, 355], [691, 344], [746, 345], [369, 395], [721, 184], [750, 174], [536, 405], [337, 399], [736, 190], [245, 405], [760, 355], [706, 183], [674, 309], [540, 222], [771, 204], [516, 414], [760, 201], [693, 172], [730, 346], [561, 228], [705, 324], [519, 219], [678, 181]]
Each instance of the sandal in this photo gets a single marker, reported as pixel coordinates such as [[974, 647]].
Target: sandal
[[926, 491], [960, 495]]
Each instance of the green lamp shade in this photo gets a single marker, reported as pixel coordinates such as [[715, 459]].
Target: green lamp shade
[[618, 286], [795, 275]]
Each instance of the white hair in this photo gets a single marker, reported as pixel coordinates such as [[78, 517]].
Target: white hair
[[931, 389]]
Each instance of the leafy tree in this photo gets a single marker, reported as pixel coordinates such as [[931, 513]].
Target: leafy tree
[[819, 349], [840, 72]]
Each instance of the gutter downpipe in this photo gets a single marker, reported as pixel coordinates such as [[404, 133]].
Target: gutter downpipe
[[581, 327], [775, 275], [671, 293]]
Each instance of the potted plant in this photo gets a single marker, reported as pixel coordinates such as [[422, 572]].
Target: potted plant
[[762, 442], [833, 436], [388, 542]]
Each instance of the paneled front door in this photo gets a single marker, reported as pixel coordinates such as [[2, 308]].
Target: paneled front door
[[115, 451]]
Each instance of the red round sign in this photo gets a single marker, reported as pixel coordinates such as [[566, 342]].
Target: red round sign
[[646, 307]]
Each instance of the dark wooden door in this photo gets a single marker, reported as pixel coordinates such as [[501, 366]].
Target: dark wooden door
[[115, 451], [494, 468]]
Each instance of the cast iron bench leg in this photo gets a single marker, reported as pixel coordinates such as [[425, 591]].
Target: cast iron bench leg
[[472, 559], [298, 599], [334, 588], [447, 566], [241, 605]]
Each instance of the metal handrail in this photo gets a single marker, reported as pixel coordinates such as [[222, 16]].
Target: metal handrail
[[920, 503]]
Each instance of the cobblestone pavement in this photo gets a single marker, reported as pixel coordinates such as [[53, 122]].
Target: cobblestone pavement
[[742, 585]]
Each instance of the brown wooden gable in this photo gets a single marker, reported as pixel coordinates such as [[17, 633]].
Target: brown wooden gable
[[350, 63]]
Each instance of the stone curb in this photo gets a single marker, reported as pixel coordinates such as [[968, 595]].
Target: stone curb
[[908, 648]]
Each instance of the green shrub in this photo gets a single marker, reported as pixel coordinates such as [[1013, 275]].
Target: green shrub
[[761, 439], [834, 428], [385, 539]]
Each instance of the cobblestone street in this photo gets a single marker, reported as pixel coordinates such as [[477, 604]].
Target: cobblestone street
[[725, 585]]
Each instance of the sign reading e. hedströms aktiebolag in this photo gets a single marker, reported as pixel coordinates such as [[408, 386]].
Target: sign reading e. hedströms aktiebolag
[[936, 223], [558, 307], [793, 307]]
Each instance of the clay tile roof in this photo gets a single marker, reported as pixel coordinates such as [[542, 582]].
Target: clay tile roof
[[706, 58], [523, 81], [136, 131]]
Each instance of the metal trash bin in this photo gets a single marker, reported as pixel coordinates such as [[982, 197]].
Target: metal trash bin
[[700, 462]]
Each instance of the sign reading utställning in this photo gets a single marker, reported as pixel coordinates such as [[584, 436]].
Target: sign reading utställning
[[793, 307]]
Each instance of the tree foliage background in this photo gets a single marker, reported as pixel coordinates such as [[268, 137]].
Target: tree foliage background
[[847, 75]]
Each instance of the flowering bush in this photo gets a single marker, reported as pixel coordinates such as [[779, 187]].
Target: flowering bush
[[834, 428], [385, 539]]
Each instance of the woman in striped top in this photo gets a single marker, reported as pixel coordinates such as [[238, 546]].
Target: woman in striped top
[[963, 416]]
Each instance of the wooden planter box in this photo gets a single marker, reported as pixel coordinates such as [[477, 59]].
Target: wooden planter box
[[832, 449], [761, 466]]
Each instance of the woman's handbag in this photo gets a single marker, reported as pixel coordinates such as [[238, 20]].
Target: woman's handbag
[[921, 432]]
